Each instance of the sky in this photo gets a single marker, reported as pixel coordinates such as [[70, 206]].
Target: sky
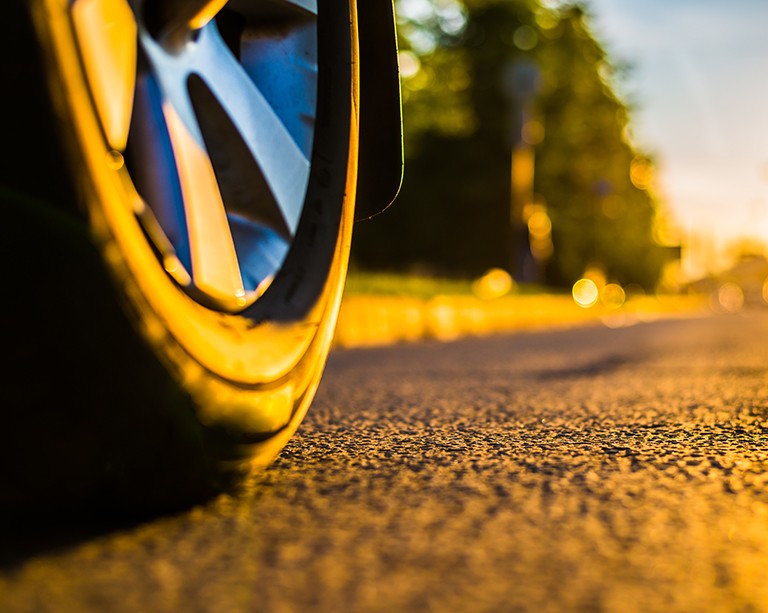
[[699, 82]]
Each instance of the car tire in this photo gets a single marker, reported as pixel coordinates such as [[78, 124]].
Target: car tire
[[136, 380]]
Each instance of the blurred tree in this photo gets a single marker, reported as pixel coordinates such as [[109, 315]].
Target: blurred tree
[[453, 213], [598, 188]]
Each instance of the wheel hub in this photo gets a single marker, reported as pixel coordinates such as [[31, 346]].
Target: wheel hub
[[212, 109]]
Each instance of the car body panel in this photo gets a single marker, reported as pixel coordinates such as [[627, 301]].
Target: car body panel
[[380, 166]]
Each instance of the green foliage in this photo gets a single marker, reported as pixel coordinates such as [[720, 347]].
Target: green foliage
[[461, 120]]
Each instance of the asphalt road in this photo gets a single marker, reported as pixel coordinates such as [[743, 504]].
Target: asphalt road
[[584, 470]]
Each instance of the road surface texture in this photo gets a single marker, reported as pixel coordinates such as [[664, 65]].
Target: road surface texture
[[593, 469]]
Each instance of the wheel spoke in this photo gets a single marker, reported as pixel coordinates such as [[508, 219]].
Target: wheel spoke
[[282, 162], [106, 31], [223, 128], [215, 269]]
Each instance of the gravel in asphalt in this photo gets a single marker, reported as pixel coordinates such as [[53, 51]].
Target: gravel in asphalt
[[592, 469]]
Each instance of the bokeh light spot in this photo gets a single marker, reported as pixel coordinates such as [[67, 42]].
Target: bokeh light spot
[[409, 64], [539, 224], [641, 173], [493, 284], [533, 132], [613, 296], [730, 297], [525, 38], [585, 293]]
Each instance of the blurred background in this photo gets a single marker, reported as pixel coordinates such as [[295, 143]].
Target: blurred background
[[609, 142]]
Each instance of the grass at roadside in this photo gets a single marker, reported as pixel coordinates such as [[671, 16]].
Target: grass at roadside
[[418, 286], [380, 309], [410, 286]]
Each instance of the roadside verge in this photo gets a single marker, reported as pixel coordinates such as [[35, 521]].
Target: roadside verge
[[366, 321]]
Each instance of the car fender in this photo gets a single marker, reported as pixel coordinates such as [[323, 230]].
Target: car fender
[[380, 164]]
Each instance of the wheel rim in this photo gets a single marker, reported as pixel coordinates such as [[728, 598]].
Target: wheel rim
[[213, 118]]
